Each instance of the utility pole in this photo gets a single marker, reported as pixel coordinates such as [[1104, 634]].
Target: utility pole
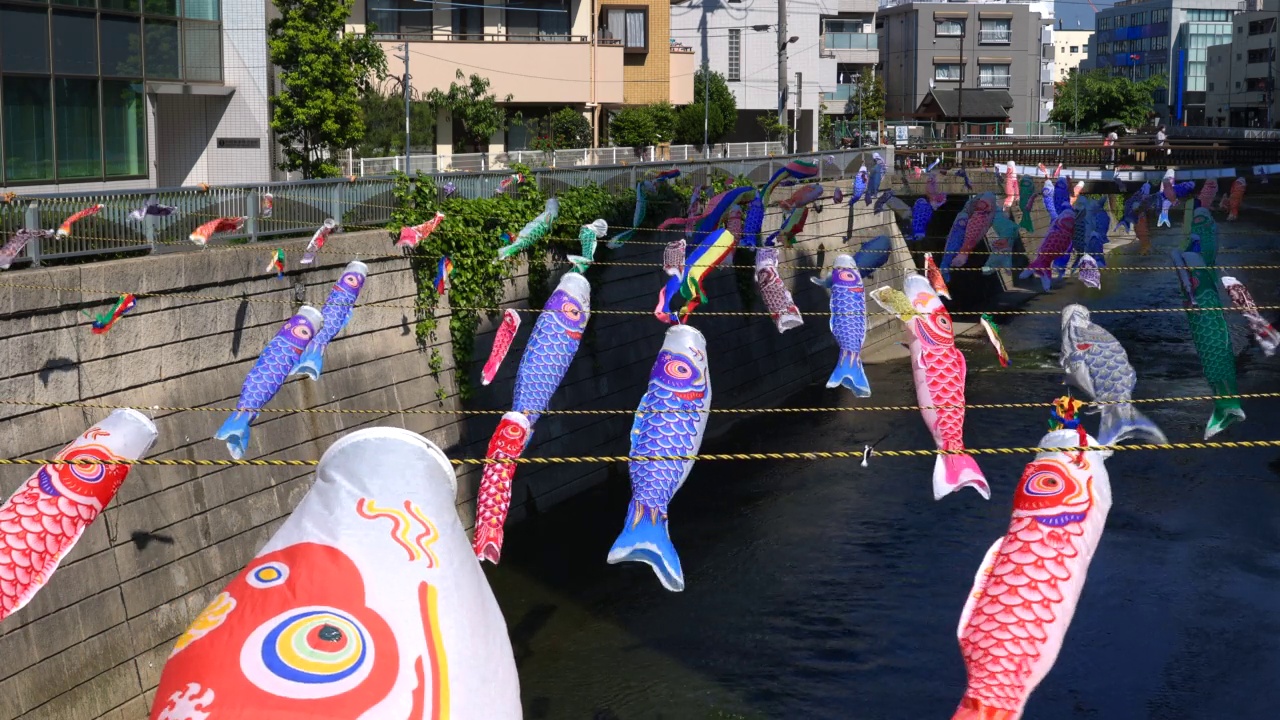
[[1271, 80], [782, 65], [706, 101], [964, 26], [407, 78], [799, 104]]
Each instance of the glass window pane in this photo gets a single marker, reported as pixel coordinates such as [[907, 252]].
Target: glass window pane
[[162, 49], [24, 40], [200, 9], [168, 8], [126, 5], [75, 104], [75, 43], [202, 49], [636, 29], [28, 129], [121, 46], [124, 128]]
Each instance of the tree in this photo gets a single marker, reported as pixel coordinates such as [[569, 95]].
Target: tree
[[383, 117], [721, 99], [633, 127], [664, 120], [689, 123], [773, 130], [870, 100], [323, 71], [565, 129], [1102, 97], [474, 108]]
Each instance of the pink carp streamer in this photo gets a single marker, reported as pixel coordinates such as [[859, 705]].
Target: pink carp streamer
[[64, 230], [42, 521], [501, 344], [202, 234], [412, 235]]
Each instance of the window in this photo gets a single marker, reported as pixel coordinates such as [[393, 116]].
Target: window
[[994, 31], [630, 25], [1260, 55], [75, 43], [201, 9], [28, 129], [993, 76], [1260, 27], [24, 40], [1074, 49], [75, 102], [202, 52], [1258, 84], [1210, 87], [1208, 15], [160, 45], [848, 73], [949, 28], [121, 39], [542, 18], [468, 23], [734, 73], [946, 72], [124, 128], [168, 8]]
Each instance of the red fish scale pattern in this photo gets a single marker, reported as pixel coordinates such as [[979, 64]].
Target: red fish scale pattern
[[35, 529], [1007, 629], [946, 387]]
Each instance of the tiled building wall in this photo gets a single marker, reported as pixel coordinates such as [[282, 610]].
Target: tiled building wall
[[646, 78]]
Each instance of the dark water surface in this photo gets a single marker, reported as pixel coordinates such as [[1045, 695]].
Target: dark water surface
[[826, 590]]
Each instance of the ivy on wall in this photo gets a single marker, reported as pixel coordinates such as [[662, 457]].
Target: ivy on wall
[[470, 236]]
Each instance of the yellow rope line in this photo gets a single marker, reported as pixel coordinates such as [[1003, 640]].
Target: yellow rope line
[[818, 455], [708, 313], [746, 410]]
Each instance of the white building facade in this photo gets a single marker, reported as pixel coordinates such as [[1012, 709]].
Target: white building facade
[[1070, 47], [134, 94], [835, 42]]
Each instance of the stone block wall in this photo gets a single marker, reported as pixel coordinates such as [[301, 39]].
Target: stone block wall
[[93, 642]]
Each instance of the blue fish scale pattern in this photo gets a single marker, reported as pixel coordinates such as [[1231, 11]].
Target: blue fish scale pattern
[[665, 425], [544, 363], [269, 372], [1113, 377], [849, 318], [336, 312]]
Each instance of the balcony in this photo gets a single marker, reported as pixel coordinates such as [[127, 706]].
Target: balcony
[[995, 37], [851, 47], [532, 69], [680, 75]]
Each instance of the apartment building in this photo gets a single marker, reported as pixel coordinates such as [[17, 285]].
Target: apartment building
[[1070, 47], [834, 42], [125, 93], [1241, 75], [986, 64], [1139, 39]]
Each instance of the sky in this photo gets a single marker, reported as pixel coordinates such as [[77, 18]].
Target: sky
[[1071, 11]]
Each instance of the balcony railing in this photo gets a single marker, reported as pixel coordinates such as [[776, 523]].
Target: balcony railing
[[850, 41], [842, 93], [995, 37], [425, 35], [993, 81]]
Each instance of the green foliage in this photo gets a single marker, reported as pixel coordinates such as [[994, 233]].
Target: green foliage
[[871, 100], [826, 129], [1098, 97], [773, 130], [689, 124], [664, 120], [474, 108], [469, 237], [565, 129], [323, 71], [383, 117], [633, 127], [722, 100]]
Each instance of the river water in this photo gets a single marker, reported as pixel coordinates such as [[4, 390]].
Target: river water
[[821, 589]]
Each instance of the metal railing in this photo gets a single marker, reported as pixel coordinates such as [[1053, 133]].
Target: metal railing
[[993, 81], [297, 208], [995, 37], [484, 162], [849, 41]]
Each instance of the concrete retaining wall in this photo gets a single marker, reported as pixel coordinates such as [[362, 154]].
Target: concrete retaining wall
[[93, 642]]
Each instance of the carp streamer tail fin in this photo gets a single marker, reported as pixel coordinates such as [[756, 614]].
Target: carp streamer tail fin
[[849, 373], [952, 472], [644, 538], [235, 431]]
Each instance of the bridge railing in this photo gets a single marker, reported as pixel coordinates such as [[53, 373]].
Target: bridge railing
[[1142, 153], [297, 208]]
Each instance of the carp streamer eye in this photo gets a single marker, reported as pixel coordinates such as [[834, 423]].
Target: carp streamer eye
[[301, 331], [350, 280], [571, 311], [846, 275], [678, 369], [1041, 482], [268, 575], [308, 653], [513, 431]]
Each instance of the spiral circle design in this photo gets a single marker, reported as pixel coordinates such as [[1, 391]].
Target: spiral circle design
[[308, 653], [268, 575]]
